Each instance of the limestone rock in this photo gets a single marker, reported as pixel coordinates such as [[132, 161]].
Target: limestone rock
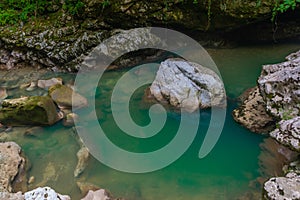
[[34, 110], [252, 113], [282, 188], [45, 193], [11, 196], [288, 133], [187, 85], [65, 97], [82, 156], [46, 84], [11, 163], [280, 87], [97, 195]]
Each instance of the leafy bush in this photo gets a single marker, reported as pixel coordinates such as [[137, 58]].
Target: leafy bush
[[283, 6], [13, 11]]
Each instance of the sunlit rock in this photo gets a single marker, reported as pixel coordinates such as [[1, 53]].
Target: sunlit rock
[[45, 193], [187, 85], [288, 133], [97, 195]]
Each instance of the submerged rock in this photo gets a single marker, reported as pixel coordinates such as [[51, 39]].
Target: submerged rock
[[11, 164], [65, 97], [82, 156], [3, 93], [280, 87], [252, 113], [288, 133], [282, 188], [46, 84], [34, 110], [187, 85], [45, 193], [86, 187], [97, 195]]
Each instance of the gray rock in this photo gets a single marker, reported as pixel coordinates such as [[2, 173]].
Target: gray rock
[[279, 85], [34, 110], [45, 193], [252, 113], [65, 97], [97, 195], [187, 85], [288, 133], [11, 164], [282, 188], [11, 196], [46, 84]]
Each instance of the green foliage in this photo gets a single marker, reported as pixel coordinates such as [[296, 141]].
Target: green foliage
[[73, 7], [283, 6], [14, 11], [105, 3]]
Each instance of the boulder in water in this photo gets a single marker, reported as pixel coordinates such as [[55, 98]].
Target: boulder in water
[[65, 97], [34, 110], [187, 85], [46, 193], [46, 84]]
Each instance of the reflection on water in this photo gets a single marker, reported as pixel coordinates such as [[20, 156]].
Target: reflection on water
[[224, 174]]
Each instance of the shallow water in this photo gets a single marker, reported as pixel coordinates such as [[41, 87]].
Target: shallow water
[[224, 174]]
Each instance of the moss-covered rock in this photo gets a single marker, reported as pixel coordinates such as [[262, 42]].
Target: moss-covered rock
[[35, 110]]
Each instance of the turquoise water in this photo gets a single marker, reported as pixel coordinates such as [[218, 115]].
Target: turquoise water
[[224, 174]]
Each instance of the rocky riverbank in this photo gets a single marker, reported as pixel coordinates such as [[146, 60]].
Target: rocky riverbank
[[276, 100]]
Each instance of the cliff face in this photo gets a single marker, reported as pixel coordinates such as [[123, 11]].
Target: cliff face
[[58, 40]]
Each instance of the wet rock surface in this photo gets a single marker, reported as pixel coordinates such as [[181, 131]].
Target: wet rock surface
[[187, 85], [82, 156], [34, 110], [252, 113]]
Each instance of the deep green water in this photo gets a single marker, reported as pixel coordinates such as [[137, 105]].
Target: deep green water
[[224, 174]]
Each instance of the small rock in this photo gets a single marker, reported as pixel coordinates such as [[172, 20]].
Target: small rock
[[82, 156], [65, 97], [31, 87], [31, 180], [86, 187], [45, 193], [70, 119], [46, 84], [3, 93], [24, 85], [97, 195]]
